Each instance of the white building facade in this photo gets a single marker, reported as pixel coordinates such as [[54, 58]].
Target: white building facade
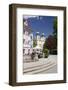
[[40, 40], [27, 39]]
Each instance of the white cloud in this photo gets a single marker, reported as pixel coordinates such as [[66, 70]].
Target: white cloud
[[31, 16]]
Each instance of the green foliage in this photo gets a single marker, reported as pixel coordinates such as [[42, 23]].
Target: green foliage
[[34, 43], [55, 28], [51, 42], [44, 46], [53, 51], [46, 52], [55, 31]]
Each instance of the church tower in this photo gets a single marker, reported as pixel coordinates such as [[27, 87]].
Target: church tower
[[37, 36]]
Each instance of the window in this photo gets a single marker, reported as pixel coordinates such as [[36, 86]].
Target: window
[[23, 51]]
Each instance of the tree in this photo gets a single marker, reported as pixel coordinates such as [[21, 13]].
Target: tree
[[34, 43], [55, 28], [50, 42], [55, 31]]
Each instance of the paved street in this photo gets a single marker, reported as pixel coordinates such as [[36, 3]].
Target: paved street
[[42, 66]]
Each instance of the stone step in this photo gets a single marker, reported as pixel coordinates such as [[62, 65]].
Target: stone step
[[36, 63], [27, 58], [44, 69], [32, 68], [39, 68]]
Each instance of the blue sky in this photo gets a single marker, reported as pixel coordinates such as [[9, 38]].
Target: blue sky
[[41, 24]]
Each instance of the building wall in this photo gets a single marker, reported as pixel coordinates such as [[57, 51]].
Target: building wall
[[27, 41], [40, 40], [27, 44]]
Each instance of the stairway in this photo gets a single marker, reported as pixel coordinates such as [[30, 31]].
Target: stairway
[[38, 67], [27, 58]]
